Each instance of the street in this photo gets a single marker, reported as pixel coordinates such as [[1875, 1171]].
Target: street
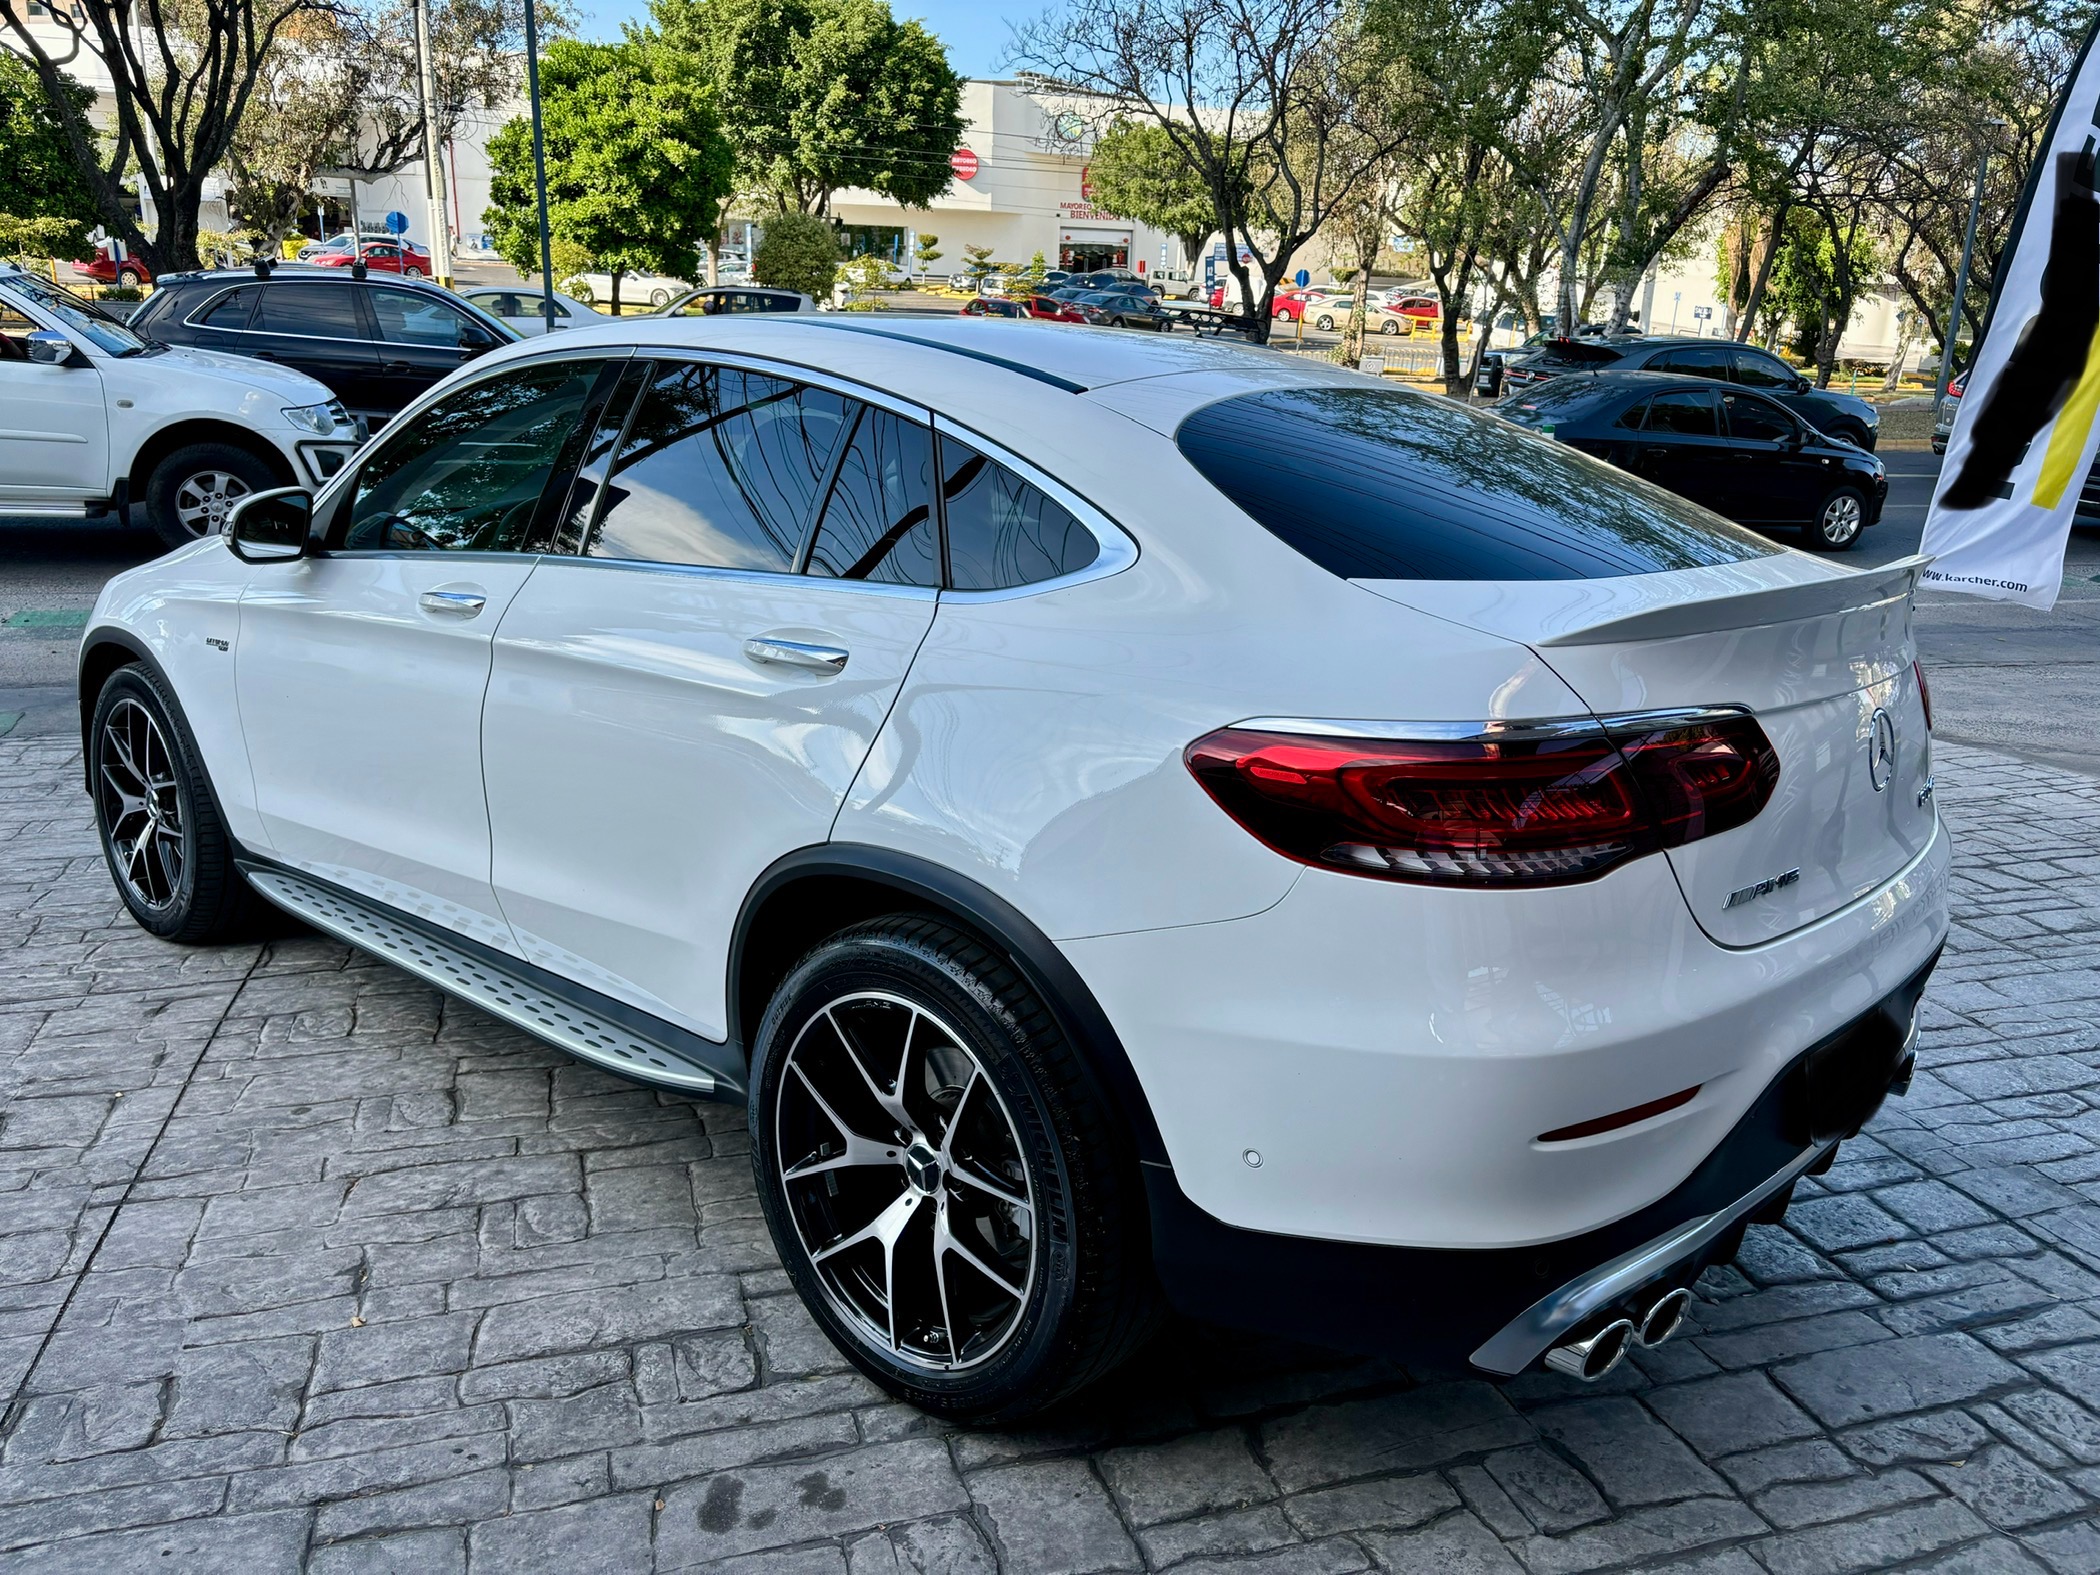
[[303, 1266]]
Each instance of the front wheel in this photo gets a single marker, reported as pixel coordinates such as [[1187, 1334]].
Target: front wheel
[[1325, 323], [191, 491], [1839, 521], [167, 851], [941, 1182], [1389, 326]]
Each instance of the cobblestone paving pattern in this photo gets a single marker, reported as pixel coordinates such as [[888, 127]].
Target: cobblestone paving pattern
[[303, 1267]]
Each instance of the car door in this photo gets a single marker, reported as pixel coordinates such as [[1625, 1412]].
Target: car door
[[317, 326], [1782, 478], [422, 337], [688, 690], [361, 669], [1681, 448], [54, 426]]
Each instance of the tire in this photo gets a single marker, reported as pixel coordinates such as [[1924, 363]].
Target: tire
[[1325, 323], [659, 297], [191, 490], [157, 821], [1390, 326], [130, 278], [1838, 522], [1045, 1276], [411, 271]]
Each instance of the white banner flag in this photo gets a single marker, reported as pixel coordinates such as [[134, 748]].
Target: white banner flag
[[2024, 433]]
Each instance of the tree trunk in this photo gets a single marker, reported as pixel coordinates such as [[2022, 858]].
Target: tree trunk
[[614, 275], [1766, 258]]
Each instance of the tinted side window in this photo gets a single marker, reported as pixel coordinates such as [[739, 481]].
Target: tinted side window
[[878, 524], [573, 525], [409, 317], [321, 311], [1633, 415], [1695, 363], [230, 311], [1385, 484], [1761, 371], [1687, 414], [1002, 531], [1753, 418], [719, 468], [466, 475]]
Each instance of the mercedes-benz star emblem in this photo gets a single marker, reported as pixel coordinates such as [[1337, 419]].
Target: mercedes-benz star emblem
[[1881, 751]]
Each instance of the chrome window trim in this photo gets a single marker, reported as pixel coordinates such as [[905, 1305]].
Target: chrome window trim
[[1116, 549], [774, 366], [1490, 731], [211, 301]]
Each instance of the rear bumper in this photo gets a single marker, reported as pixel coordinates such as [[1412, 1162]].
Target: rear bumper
[[1501, 1310]]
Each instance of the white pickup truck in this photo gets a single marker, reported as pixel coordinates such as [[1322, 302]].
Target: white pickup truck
[[95, 419]]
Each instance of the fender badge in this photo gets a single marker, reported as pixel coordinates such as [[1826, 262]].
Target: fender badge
[[1763, 888], [217, 645]]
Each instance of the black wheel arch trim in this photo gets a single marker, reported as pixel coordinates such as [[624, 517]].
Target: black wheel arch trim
[[934, 887]]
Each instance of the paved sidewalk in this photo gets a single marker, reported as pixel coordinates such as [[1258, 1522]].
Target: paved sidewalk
[[303, 1267]]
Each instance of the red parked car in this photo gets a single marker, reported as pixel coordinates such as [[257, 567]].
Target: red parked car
[[130, 273], [403, 257], [1052, 310]]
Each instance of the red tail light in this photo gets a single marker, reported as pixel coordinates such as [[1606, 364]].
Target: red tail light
[[1924, 691], [1545, 809]]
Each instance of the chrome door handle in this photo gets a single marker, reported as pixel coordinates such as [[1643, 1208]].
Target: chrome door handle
[[793, 653], [464, 604]]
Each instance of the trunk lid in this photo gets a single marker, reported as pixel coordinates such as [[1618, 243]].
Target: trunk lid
[[1821, 656]]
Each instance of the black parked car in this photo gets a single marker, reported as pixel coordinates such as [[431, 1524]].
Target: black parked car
[[1740, 453], [1120, 309], [1828, 411], [377, 342]]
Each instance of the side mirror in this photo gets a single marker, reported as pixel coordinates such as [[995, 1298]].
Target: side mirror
[[271, 527], [49, 349], [1803, 386]]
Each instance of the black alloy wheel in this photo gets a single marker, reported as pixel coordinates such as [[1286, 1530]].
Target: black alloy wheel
[[942, 1183], [159, 826]]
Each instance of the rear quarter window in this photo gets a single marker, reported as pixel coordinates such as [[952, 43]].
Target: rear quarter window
[[1383, 484]]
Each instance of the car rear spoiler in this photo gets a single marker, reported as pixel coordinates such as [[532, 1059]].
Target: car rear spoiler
[[1752, 609]]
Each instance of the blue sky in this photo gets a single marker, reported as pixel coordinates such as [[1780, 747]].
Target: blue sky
[[975, 31]]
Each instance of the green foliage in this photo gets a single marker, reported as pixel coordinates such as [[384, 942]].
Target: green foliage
[[28, 240], [1037, 273], [819, 95], [796, 251], [1138, 173], [977, 260], [637, 166], [929, 250], [42, 180], [1806, 292]]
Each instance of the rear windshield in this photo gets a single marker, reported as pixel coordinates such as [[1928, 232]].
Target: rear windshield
[[1383, 484]]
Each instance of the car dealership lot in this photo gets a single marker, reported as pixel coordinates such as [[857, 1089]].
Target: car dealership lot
[[302, 1265]]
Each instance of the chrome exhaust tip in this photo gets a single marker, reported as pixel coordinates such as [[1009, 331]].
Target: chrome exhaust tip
[[1591, 1359], [1666, 1317]]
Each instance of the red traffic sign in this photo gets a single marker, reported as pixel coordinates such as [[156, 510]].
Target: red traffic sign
[[964, 163]]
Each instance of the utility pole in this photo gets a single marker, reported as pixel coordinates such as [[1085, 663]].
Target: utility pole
[[539, 165], [433, 156], [1961, 277]]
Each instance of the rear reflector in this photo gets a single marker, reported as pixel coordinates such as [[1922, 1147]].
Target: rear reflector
[[1561, 805], [1623, 1118]]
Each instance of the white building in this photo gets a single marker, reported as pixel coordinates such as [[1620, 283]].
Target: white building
[[1020, 187]]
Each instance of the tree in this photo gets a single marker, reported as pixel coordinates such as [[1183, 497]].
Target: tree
[[977, 260], [636, 162], [476, 62], [1275, 108], [796, 251], [1036, 274], [47, 205], [301, 120], [927, 248], [1139, 174], [181, 74], [820, 95]]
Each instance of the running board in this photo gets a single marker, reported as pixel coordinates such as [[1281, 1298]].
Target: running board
[[587, 1035]]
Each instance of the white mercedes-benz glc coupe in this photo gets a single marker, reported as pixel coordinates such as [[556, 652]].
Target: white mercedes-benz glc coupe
[[1141, 823]]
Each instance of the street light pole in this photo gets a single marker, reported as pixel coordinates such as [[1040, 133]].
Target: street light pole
[[433, 155], [1961, 278], [539, 165]]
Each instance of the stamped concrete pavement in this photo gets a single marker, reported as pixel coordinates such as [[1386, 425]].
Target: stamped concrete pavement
[[303, 1267]]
